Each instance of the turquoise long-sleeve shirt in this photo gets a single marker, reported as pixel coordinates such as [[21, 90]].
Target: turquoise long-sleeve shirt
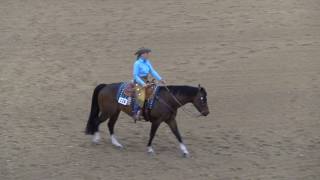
[[141, 68]]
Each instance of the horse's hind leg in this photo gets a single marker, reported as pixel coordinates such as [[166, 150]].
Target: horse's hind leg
[[154, 127], [96, 137], [111, 123]]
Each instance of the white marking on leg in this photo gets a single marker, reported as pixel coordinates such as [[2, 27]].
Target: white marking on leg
[[150, 150], [184, 149], [96, 137], [115, 142]]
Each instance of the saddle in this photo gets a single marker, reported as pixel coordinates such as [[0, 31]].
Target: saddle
[[126, 93], [130, 92]]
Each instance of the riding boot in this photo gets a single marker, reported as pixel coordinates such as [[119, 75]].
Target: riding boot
[[137, 116], [136, 113]]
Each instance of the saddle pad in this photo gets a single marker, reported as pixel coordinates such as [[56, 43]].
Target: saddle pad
[[153, 98], [122, 97]]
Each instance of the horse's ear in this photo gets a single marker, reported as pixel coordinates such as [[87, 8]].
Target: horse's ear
[[199, 86]]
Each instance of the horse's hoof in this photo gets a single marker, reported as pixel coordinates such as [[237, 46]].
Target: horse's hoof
[[115, 142], [151, 151], [185, 152], [185, 155], [119, 147], [96, 138], [95, 143]]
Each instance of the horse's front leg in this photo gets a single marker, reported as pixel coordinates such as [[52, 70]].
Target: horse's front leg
[[154, 126], [172, 123]]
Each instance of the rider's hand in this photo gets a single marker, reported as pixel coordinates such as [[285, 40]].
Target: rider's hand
[[162, 81]]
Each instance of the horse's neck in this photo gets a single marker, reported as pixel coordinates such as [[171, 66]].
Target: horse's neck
[[180, 99], [183, 100]]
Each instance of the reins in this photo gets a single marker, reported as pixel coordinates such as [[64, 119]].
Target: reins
[[188, 112]]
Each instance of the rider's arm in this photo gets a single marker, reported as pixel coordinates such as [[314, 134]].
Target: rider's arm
[[136, 74], [153, 72]]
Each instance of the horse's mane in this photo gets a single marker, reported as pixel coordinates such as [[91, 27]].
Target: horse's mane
[[183, 90]]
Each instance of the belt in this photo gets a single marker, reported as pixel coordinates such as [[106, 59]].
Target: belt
[[144, 78]]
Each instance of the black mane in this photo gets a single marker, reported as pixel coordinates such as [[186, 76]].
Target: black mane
[[183, 90]]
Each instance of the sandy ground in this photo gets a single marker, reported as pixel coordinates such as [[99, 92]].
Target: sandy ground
[[259, 61]]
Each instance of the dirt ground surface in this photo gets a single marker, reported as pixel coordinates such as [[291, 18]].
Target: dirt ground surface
[[259, 61]]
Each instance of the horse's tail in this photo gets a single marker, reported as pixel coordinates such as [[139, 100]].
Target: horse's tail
[[92, 121]]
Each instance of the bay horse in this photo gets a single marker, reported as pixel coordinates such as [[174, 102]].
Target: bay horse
[[169, 98]]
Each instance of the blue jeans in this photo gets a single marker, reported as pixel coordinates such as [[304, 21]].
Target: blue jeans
[[136, 107]]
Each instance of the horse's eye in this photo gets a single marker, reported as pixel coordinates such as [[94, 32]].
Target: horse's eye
[[202, 100]]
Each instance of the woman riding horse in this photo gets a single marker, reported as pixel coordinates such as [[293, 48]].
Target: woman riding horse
[[168, 100], [141, 69]]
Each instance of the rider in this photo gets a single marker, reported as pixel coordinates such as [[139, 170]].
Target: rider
[[141, 69]]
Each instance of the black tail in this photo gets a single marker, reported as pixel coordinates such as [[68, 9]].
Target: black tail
[[92, 122]]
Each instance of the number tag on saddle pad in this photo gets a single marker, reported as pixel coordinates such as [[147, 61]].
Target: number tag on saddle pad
[[123, 101]]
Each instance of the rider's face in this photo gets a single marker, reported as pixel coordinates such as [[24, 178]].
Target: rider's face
[[146, 55]]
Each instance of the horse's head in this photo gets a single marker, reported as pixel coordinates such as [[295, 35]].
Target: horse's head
[[200, 101]]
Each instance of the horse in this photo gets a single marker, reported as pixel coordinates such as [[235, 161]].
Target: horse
[[168, 100]]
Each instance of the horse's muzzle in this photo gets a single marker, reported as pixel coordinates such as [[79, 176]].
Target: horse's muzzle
[[205, 113]]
